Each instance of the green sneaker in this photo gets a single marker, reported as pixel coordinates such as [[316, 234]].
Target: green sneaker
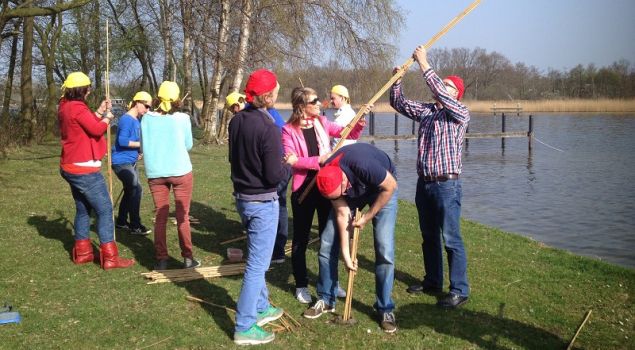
[[271, 314], [253, 336]]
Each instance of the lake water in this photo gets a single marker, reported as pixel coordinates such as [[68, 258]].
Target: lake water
[[580, 197]]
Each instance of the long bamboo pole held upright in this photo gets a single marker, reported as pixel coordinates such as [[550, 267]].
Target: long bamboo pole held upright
[[351, 274], [403, 68], [108, 138]]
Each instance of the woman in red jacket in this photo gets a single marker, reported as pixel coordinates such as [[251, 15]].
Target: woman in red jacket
[[83, 147]]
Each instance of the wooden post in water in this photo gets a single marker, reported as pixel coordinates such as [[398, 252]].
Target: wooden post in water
[[396, 124], [396, 131], [413, 127], [467, 141], [371, 127], [503, 130], [530, 133]]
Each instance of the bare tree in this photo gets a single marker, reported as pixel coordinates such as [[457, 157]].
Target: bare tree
[[213, 89], [238, 64], [29, 121], [8, 88], [49, 33]]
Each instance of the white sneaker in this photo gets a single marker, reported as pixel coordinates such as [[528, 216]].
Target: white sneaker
[[341, 293], [303, 295]]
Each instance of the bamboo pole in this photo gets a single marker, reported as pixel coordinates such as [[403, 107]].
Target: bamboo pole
[[198, 300], [236, 239], [108, 136], [181, 275], [351, 273], [586, 318], [402, 69]]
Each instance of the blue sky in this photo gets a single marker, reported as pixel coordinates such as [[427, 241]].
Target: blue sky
[[555, 34]]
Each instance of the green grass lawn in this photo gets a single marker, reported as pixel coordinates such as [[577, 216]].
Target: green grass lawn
[[524, 295]]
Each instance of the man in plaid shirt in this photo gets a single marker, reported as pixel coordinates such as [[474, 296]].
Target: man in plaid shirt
[[442, 126]]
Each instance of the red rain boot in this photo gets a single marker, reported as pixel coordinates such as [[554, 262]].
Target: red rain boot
[[110, 257], [83, 251]]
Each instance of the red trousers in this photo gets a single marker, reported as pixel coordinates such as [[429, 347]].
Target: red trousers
[[160, 189]]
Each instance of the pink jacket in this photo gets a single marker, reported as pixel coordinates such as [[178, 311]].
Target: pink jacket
[[293, 142]]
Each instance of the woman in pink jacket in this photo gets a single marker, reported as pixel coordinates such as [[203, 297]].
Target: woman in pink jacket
[[306, 141]]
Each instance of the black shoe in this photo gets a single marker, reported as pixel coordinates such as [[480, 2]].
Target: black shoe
[[422, 288], [141, 230], [124, 226], [452, 301]]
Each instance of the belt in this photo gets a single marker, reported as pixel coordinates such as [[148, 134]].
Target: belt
[[440, 178]]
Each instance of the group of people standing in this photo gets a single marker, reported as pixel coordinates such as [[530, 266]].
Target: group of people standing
[[266, 154], [162, 137]]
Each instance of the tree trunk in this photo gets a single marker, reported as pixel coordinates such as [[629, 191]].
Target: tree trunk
[[241, 55], [49, 36], [186, 15], [166, 7], [214, 86], [97, 28], [29, 121], [83, 40], [8, 87]]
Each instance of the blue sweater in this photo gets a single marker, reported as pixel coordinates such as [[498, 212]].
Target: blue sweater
[[128, 129], [165, 140]]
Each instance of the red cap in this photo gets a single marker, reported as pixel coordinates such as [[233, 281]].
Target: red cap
[[259, 83], [458, 82], [329, 178]]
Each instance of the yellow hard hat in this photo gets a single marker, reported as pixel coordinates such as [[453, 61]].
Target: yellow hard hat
[[168, 93], [142, 96], [76, 79], [233, 99], [340, 90]]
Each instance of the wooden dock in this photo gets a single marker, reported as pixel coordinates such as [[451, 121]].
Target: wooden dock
[[503, 134]]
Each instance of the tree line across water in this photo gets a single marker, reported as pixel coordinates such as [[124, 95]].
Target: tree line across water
[[208, 46]]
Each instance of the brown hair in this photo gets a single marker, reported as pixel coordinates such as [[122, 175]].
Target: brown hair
[[176, 106], [76, 93], [299, 100]]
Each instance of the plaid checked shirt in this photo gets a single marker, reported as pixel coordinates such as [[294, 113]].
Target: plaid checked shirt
[[441, 130]]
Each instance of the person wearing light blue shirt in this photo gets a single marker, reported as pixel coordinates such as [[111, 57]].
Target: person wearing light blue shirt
[[166, 138]]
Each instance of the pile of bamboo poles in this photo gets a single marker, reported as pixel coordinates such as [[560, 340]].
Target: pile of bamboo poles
[[284, 323], [351, 273], [181, 275]]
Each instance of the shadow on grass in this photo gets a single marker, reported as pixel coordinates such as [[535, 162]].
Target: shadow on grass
[[479, 328], [55, 229], [213, 228], [208, 291]]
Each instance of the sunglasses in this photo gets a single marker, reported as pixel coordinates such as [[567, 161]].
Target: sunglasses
[[315, 101]]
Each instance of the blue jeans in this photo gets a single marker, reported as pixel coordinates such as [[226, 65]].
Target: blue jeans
[[90, 193], [260, 220], [283, 221], [439, 207], [132, 191], [384, 236]]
